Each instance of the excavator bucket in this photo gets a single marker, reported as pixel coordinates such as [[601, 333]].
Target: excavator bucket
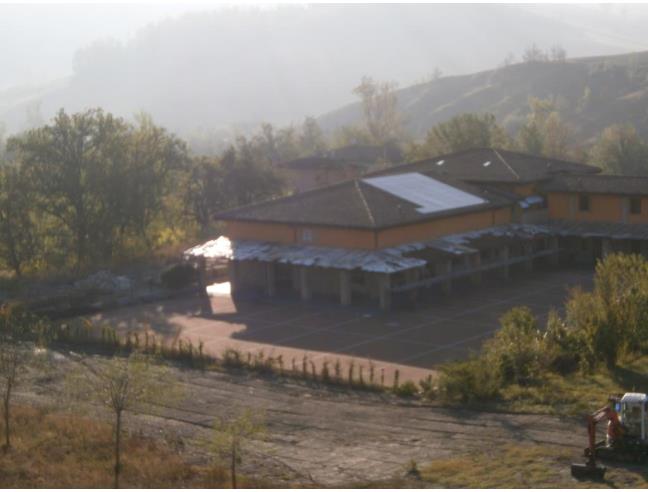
[[587, 471]]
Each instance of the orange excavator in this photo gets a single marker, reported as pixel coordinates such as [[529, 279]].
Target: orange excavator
[[625, 439]]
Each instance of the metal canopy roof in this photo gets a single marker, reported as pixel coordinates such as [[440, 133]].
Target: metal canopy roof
[[428, 193]]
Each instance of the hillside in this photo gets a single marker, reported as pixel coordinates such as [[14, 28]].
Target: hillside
[[212, 70], [591, 93]]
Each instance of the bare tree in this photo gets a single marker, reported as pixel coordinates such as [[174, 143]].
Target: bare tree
[[15, 360], [124, 384], [231, 438], [558, 53], [380, 107], [533, 54]]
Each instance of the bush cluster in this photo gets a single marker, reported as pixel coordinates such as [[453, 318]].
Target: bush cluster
[[599, 328]]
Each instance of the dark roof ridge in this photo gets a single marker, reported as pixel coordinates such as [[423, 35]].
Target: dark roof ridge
[[372, 220], [517, 176]]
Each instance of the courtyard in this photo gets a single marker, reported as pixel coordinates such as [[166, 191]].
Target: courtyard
[[413, 342]]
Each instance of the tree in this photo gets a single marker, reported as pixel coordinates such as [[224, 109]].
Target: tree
[[544, 132], [380, 109], [558, 53], [231, 438], [99, 178], [123, 384], [18, 244], [533, 54], [461, 133], [311, 140], [14, 362], [620, 150]]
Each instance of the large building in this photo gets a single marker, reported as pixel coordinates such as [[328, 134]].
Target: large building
[[411, 230]]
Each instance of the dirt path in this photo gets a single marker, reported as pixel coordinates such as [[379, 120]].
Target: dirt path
[[321, 436]]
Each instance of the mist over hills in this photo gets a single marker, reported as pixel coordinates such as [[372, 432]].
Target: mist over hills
[[229, 70]]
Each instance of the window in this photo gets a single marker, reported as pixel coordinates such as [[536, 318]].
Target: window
[[635, 206], [584, 203], [307, 235]]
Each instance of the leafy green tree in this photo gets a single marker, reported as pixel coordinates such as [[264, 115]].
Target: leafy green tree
[[461, 133], [232, 438], [98, 178], [620, 150], [18, 242], [234, 180], [380, 109], [311, 139]]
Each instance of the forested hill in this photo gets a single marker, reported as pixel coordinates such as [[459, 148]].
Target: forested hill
[[590, 93]]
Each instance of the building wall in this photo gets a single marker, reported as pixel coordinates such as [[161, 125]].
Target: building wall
[[442, 227], [288, 234], [603, 208], [258, 231], [366, 239]]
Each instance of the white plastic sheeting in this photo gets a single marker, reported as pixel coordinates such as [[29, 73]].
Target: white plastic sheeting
[[388, 260], [380, 261], [428, 193]]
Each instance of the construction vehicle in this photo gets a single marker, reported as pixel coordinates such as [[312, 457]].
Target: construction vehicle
[[626, 440]]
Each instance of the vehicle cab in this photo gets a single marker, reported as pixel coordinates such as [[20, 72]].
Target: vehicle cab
[[633, 410]]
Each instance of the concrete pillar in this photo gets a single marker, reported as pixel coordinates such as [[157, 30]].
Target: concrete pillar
[[573, 206], [444, 267], [201, 265], [554, 259], [504, 256], [384, 287], [644, 248], [412, 276], [606, 247], [233, 275], [304, 287], [527, 248], [345, 287], [476, 277], [271, 283]]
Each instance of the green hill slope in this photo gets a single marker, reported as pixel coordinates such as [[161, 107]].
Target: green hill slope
[[591, 93]]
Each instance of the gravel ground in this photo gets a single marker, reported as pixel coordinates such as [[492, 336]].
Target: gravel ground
[[318, 436]]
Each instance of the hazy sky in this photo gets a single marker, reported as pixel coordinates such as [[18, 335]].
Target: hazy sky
[[39, 41]]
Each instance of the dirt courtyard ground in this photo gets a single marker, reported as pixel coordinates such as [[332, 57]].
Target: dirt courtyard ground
[[415, 341]]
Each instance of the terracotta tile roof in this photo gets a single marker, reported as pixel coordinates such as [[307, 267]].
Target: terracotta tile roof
[[357, 204]]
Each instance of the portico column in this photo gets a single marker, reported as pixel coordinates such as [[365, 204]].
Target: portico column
[[554, 259], [504, 256], [304, 287], [345, 287], [413, 277], [476, 277], [232, 275], [384, 285], [444, 267], [606, 247], [271, 286], [527, 247]]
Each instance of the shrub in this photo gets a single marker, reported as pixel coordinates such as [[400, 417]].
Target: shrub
[[407, 389], [469, 380], [516, 349], [178, 276]]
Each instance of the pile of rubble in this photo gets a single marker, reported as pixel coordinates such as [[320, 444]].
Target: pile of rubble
[[104, 282]]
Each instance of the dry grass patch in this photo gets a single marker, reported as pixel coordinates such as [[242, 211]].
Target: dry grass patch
[[522, 466], [64, 451]]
